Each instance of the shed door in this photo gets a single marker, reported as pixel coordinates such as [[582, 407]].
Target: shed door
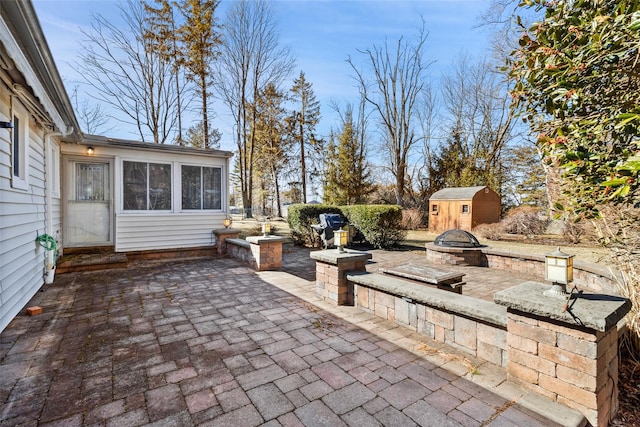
[[88, 213]]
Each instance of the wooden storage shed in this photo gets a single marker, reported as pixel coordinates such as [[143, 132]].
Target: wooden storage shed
[[463, 207]]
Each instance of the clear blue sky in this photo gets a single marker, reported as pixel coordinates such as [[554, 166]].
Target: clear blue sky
[[322, 34]]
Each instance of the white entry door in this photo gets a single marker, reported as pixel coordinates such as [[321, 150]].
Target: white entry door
[[88, 218]]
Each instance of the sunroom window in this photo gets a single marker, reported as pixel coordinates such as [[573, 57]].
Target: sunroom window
[[201, 188], [147, 186]]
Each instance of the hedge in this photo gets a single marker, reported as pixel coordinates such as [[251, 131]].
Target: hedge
[[300, 218], [381, 225]]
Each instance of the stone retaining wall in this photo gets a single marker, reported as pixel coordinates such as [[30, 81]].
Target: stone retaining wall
[[585, 275], [565, 351], [479, 328]]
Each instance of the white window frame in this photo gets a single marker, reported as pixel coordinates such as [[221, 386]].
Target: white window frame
[[222, 189], [147, 211], [54, 165], [19, 178]]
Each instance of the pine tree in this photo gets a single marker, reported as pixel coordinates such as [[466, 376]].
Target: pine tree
[[201, 40], [271, 145], [304, 121], [164, 41], [347, 171]]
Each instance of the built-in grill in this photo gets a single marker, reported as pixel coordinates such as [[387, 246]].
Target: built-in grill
[[457, 238]]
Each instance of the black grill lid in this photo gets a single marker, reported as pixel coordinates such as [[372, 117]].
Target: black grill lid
[[457, 239]]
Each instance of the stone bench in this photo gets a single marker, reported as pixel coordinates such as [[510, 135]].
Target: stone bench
[[260, 252], [484, 311], [445, 280]]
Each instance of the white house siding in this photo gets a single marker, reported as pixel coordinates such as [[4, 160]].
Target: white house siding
[[23, 219], [165, 231], [149, 230]]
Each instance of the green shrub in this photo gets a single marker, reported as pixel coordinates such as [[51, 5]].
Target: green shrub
[[381, 225], [300, 218]]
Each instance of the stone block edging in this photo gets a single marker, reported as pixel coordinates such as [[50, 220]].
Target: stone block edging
[[473, 308], [478, 328], [601, 279]]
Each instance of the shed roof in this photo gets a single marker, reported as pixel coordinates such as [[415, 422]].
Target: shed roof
[[457, 193]]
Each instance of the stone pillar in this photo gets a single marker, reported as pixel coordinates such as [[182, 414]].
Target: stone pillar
[[267, 251], [222, 234], [331, 269], [566, 353]]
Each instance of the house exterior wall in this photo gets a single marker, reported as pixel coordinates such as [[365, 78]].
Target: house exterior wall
[[24, 216], [154, 230]]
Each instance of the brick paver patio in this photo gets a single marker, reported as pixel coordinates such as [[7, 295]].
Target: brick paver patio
[[211, 342]]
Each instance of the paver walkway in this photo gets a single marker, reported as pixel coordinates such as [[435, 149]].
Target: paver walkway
[[211, 342]]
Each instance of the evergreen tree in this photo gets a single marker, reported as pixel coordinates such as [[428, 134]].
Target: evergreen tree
[[195, 137], [164, 40], [303, 123], [271, 145], [347, 173], [201, 41]]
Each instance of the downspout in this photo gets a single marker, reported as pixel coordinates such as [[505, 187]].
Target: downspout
[[48, 197], [48, 188]]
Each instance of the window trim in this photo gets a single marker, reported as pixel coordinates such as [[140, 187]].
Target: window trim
[[434, 209], [55, 175], [465, 209], [19, 179], [222, 196], [148, 211]]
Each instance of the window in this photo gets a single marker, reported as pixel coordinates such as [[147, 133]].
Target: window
[[19, 148], [434, 209], [91, 182], [54, 166], [465, 209], [201, 188], [147, 186]]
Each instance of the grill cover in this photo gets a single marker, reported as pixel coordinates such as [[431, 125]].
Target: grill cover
[[457, 239]]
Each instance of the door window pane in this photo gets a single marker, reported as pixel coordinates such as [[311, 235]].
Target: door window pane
[[91, 181]]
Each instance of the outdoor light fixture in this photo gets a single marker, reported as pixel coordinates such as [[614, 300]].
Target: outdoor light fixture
[[266, 228], [226, 222], [340, 239], [89, 150], [558, 269], [6, 125]]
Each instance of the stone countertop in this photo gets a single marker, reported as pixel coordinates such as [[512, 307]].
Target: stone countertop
[[594, 311]]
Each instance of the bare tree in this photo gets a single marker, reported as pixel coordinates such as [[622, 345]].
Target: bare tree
[[91, 118], [423, 179], [479, 122], [128, 75], [394, 90], [251, 58]]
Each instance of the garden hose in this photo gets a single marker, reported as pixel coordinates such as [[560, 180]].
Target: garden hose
[[48, 243]]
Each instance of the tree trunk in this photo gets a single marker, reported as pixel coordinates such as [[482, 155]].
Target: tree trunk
[[303, 165], [205, 118]]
